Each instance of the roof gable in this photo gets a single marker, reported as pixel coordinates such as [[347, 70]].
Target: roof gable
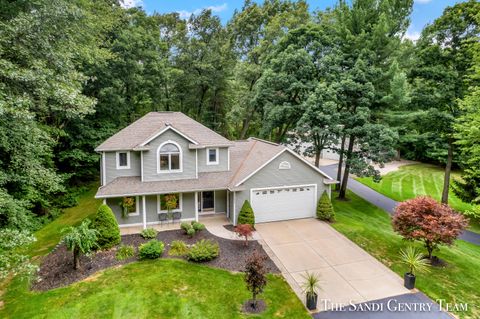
[[153, 124]]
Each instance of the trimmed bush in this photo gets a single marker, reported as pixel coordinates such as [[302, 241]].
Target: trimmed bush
[[149, 233], [203, 250], [246, 215], [105, 223], [191, 232], [151, 250], [124, 252], [198, 226], [178, 248], [185, 226], [325, 209]]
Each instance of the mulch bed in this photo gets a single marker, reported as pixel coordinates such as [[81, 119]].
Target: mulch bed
[[56, 269], [248, 306]]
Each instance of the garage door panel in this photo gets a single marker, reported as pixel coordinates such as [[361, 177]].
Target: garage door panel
[[289, 202]]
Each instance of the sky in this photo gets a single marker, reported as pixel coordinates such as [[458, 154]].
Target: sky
[[424, 11]]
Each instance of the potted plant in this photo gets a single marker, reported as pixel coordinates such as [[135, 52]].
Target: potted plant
[[310, 287], [415, 262], [170, 203]]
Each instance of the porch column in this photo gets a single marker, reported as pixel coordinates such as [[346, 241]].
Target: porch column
[[228, 203], [234, 210], [196, 206], [144, 211]]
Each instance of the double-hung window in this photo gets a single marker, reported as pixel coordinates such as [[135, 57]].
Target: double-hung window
[[212, 156], [123, 160]]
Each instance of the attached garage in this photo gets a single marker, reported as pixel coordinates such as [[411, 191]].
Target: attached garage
[[281, 203]]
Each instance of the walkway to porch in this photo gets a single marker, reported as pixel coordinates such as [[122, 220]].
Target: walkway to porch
[[214, 224]]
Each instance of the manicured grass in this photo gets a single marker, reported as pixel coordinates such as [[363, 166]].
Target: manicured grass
[[370, 227], [50, 235], [410, 181], [153, 289]]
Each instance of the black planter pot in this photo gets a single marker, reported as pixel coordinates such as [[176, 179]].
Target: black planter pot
[[409, 280], [312, 301]]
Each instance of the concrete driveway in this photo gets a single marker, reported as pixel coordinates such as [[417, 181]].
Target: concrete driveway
[[347, 273]]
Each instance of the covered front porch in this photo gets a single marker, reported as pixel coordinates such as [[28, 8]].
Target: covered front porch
[[145, 211]]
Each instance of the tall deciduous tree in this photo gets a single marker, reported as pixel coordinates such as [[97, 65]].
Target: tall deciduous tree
[[440, 78]]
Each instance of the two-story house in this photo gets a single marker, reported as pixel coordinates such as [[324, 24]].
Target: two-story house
[[167, 154]]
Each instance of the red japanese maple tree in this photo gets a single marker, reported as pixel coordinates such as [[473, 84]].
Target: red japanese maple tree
[[244, 230], [425, 219]]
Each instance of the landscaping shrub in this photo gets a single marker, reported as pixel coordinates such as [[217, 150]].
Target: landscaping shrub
[[105, 223], [178, 248], [151, 250], [198, 226], [245, 231], [191, 232], [80, 239], [192, 228], [246, 215], [325, 209], [124, 252], [203, 250], [149, 233]]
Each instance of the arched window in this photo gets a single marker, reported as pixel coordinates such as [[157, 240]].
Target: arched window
[[169, 157]]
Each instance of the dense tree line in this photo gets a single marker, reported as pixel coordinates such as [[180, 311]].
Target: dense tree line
[[74, 72]]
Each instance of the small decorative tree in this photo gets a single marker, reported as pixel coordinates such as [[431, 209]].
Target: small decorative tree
[[244, 230], [424, 219], [325, 209], [81, 240], [255, 276], [246, 215], [108, 232]]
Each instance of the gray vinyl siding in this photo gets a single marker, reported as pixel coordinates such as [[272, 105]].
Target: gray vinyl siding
[[221, 201], [111, 166], [150, 159], [188, 209], [222, 161], [270, 176]]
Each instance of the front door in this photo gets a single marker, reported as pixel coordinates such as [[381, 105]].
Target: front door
[[208, 201]]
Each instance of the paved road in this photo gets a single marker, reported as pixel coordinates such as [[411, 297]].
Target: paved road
[[407, 306], [384, 202]]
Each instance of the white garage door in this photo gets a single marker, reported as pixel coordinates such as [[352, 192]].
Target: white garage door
[[280, 203]]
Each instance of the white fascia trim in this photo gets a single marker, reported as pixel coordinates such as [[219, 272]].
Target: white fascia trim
[[162, 192], [141, 166], [180, 170], [228, 158], [118, 159], [217, 151], [274, 157], [163, 131], [180, 204], [104, 172]]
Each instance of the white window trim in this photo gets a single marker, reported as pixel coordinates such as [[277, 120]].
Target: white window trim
[[117, 155], [137, 206], [217, 156], [180, 204], [180, 170]]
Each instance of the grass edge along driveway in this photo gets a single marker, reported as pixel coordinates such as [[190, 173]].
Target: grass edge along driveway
[[413, 180], [370, 228]]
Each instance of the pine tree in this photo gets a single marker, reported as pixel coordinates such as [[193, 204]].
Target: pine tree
[[325, 209], [246, 215]]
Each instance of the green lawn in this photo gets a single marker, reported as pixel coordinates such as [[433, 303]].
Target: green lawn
[[370, 228], [147, 289], [153, 289], [410, 181], [50, 235]]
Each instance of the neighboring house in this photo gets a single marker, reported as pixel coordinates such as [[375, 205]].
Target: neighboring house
[[168, 153]]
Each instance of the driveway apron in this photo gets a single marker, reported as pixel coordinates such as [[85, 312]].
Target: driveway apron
[[347, 273]]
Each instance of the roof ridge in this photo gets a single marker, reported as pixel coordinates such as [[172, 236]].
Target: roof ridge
[[243, 162], [263, 141]]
